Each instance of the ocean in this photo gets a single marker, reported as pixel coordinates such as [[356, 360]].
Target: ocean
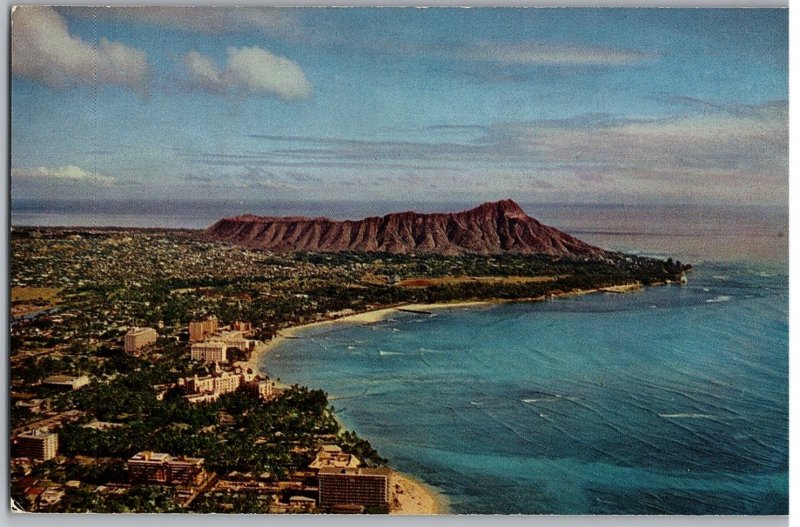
[[671, 400]]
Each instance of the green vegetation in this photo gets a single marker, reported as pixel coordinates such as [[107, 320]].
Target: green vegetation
[[108, 280], [239, 432]]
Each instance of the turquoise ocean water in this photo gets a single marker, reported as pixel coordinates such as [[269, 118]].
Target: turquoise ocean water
[[672, 400]]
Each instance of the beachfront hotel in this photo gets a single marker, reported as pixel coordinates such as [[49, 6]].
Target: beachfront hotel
[[210, 387], [138, 338], [210, 342], [156, 467], [209, 352], [348, 486], [234, 339], [36, 444]]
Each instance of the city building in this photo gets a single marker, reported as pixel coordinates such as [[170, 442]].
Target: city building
[[50, 496], [36, 444], [332, 456], [155, 467], [210, 352], [69, 382], [209, 387], [245, 327], [302, 504], [354, 486], [199, 330], [138, 338], [205, 397], [234, 339], [218, 382], [265, 388], [35, 406]]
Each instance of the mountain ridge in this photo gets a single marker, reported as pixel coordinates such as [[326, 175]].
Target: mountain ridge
[[490, 228]]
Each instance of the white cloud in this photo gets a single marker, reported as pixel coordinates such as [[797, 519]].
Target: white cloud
[[43, 50], [548, 54], [65, 173], [204, 72], [249, 71]]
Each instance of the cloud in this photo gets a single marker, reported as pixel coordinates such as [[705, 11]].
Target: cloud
[[716, 153], [513, 60], [202, 19], [721, 152], [545, 54], [248, 71], [43, 50], [66, 173]]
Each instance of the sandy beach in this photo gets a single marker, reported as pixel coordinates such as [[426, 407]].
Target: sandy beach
[[412, 497]]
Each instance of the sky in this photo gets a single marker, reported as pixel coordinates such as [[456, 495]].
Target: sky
[[632, 106]]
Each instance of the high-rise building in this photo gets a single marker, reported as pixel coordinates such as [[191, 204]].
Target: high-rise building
[[200, 330], [137, 338], [210, 352], [360, 486], [36, 444]]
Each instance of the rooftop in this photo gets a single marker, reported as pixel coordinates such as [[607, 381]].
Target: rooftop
[[64, 378], [138, 331], [351, 471]]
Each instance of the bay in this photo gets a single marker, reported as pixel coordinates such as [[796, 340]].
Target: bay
[[672, 400]]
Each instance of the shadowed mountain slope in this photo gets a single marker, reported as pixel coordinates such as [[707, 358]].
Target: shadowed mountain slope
[[490, 228]]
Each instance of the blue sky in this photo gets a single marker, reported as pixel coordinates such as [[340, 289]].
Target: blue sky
[[539, 105]]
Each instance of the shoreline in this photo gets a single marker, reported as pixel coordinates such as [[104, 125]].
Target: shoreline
[[373, 316], [409, 495], [412, 497]]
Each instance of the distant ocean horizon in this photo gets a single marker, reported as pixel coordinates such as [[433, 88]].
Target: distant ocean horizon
[[716, 232]]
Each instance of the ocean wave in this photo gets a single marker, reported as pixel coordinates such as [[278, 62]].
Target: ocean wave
[[548, 397], [687, 416], [719, 298], [388, 353]]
